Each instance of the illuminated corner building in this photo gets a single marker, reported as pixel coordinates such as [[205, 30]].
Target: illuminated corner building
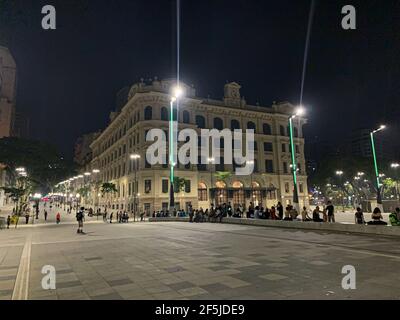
[[148, 106]]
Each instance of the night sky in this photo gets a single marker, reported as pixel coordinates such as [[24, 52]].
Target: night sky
[[68, 78]]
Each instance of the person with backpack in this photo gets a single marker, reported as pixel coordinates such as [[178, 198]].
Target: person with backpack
[[79, 218]]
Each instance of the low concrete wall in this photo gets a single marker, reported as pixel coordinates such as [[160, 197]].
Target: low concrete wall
[[318, 226]]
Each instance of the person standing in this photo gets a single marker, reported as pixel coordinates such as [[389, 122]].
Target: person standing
[[27, 218], [111, 216], [45, 215], [79, 218], [279, 207], [330, 209], [58, 218], [8, 222]]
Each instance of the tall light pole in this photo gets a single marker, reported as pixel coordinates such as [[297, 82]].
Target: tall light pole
[[251, 163], [135, 157], [396, 166], [211, 164], [339, 173], [177, 94], [299, 111], [378, 184]]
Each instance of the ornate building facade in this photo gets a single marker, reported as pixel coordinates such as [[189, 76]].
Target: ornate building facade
[[147, 186]]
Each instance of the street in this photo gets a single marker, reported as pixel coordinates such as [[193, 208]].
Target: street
[[177, 260]]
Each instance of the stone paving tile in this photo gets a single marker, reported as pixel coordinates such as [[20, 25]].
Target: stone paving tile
[[68, 284], [119, 282], [193, 291], [273, 277], [109, 296]]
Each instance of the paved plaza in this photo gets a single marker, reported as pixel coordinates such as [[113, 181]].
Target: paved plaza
[[177, 260]]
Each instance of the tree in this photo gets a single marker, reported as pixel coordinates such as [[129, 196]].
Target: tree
[[222, 175], [108, 188], [43, 163]]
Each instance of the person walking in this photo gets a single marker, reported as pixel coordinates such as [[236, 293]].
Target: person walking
[[330, 209], [8, 222], [45, 215], [27, 218], [58, 218], [111, 216], [79, 218]]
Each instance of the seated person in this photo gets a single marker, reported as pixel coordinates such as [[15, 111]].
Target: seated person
[[287, 213], [316, 217], [377, 218], [394, 217], [304, 215], [359, 216], [293, 213]]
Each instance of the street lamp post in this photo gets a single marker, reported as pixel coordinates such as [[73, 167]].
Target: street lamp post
[[378, 184], [396, 166], [252, 197], [340, 174], [135, 158], [177, 93], [299, 112], [211, 164]]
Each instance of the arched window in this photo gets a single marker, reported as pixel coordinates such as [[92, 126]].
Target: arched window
[[237, 185], [251, 125], [164, 114], [235, 124], [186, 116], [220, 185], [148, 113], [218, 123], [267, 129], [202, 191], [201, 122], [282, 130]]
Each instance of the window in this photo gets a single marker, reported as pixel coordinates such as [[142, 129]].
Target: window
[[164, 114], [251, 125], [187, 186], [297, 148], [285, 167], [186, 116], [255, 166], [235, 124], [301, 188], [283, 147], [165, 184], [148, 113], [147, 186], [202, 192], [268, 147], [287, 187], [267, 129], [269, 166], [255, 146], [282, 130], [218, 123], [200, 122]]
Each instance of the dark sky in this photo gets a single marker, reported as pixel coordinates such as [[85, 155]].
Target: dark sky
[[68, 78]]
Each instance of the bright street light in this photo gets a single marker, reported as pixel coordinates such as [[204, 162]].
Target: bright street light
[[134, 156], [395, 165], [95, 170], [177, 92], [339, 172], [87, 173]]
